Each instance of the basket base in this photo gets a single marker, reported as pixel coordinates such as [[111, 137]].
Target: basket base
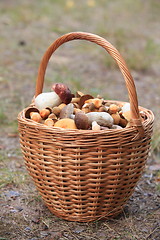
[[87, 218]]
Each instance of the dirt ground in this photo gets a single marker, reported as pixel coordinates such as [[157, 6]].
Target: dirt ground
[[27, 29]]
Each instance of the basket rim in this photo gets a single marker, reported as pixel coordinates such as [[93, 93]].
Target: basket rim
[[145, 123]]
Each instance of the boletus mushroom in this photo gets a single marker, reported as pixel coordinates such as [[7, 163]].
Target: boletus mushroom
[[63, 92]]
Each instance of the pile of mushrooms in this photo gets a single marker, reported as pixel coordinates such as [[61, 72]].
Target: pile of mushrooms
[[62, 109]]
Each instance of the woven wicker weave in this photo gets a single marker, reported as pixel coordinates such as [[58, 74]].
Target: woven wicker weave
[[84, 175]]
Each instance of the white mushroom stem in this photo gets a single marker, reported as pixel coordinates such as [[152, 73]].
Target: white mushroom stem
[[116, 127], [72, 116], [96, 126], [48, 99], [86, 105], [126, 107]]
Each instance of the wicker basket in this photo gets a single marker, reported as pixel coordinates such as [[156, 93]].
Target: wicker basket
[[84, 175]]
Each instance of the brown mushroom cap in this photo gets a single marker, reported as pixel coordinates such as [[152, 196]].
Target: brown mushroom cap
[[83, 99], [63, 92], [81, 120], [29, 110]]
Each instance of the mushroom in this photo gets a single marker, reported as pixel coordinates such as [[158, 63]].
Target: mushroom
[[83, 98], [85, 108], [103, 109], [127, 115], [49, 122], [96, 101], [126, 107], [99, 96], [66, 123], [72, 116], [75, 100], [96, 126], [29, 110], [116, 117], [56, 111], [47, 99], [102, 118], [45, 113], [104, 128], [35, 116], [62, 105], [81, 120], [116, 127], [67, 111], [113, 108], [91, 107], [79, 94], [76, 105], [123, 122], [53, 116], [76, 110], [63, 92]]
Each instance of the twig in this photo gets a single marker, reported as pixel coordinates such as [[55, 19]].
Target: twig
[[154, 229]]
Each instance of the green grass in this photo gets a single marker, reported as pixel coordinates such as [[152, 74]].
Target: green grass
[[9, 176], [2, 116], [10, 173]]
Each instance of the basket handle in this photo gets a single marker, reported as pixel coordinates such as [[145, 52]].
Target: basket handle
[[135, 121]]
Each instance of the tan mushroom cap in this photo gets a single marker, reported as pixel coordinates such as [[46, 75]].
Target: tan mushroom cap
[[66, 123]]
